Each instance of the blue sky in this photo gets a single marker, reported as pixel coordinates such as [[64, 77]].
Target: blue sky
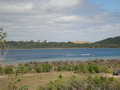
[[60, 20], [109, 4]]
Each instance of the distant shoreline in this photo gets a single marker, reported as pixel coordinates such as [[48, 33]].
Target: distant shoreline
[[56, 48]]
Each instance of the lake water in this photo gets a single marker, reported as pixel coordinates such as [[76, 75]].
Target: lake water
[[22, 56]]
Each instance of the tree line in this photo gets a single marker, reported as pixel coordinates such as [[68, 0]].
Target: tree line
[[106, 43], [32, 45]]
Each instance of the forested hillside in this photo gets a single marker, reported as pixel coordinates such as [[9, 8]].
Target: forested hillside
[[115, 40]]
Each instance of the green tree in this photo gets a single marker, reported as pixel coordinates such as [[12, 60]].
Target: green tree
[[2, 39], [2, 45]]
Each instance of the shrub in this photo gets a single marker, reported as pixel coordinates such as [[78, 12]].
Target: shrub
[[94, 68], [61, 68], [38, 70], [8, 70], [13, 80], [23, 69], [1, 70], [43, 68], [103, 83], [46, 68], [60, 76], [80, 68], [20, 69], [27, 69], [23, 87], [92, 83]]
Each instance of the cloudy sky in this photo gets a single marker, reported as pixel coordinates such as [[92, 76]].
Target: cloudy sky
[[60, 20]]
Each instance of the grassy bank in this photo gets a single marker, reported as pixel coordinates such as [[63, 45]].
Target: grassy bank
[[63, 81], [38, 75]]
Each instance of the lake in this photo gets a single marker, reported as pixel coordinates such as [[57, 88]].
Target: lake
[[27, 55]]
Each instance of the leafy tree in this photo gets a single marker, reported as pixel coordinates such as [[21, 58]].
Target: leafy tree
[[2, 45]]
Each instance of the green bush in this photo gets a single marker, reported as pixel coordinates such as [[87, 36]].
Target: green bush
[[8, 70], [61, 68], [27, 69], [23, 69], [1, 70], [103, 83], [20, 69], [43, 68], [94, 68], [38, 70], [23, 87], [60, 76], [105, 69], [46, 68], [80, 68]]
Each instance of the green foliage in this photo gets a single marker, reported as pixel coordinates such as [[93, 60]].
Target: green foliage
[[60, 76], [44, 68], [80, 68], [75, 83], [1, 70], [61, 68], [23, 87], [2, 45], [103, 83], [8, 70], [115, 40], [13, 80], [23, 69], [86, 67], [2, 39], [38, 70], [94, 68]]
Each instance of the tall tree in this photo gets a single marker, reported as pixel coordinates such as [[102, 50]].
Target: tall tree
[[2, 45]]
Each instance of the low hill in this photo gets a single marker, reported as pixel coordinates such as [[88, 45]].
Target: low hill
[[113, 40]]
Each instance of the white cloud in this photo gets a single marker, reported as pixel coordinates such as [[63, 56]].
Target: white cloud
[[57, 20], [64, 3], [15, 7], [109, 28], [67, 19]]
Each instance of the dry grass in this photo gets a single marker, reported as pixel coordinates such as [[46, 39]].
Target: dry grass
[[34, 80]]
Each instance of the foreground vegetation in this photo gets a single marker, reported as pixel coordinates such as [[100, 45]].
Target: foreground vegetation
[[61, 75], [91, 83], [91, 66], [60, 81]]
